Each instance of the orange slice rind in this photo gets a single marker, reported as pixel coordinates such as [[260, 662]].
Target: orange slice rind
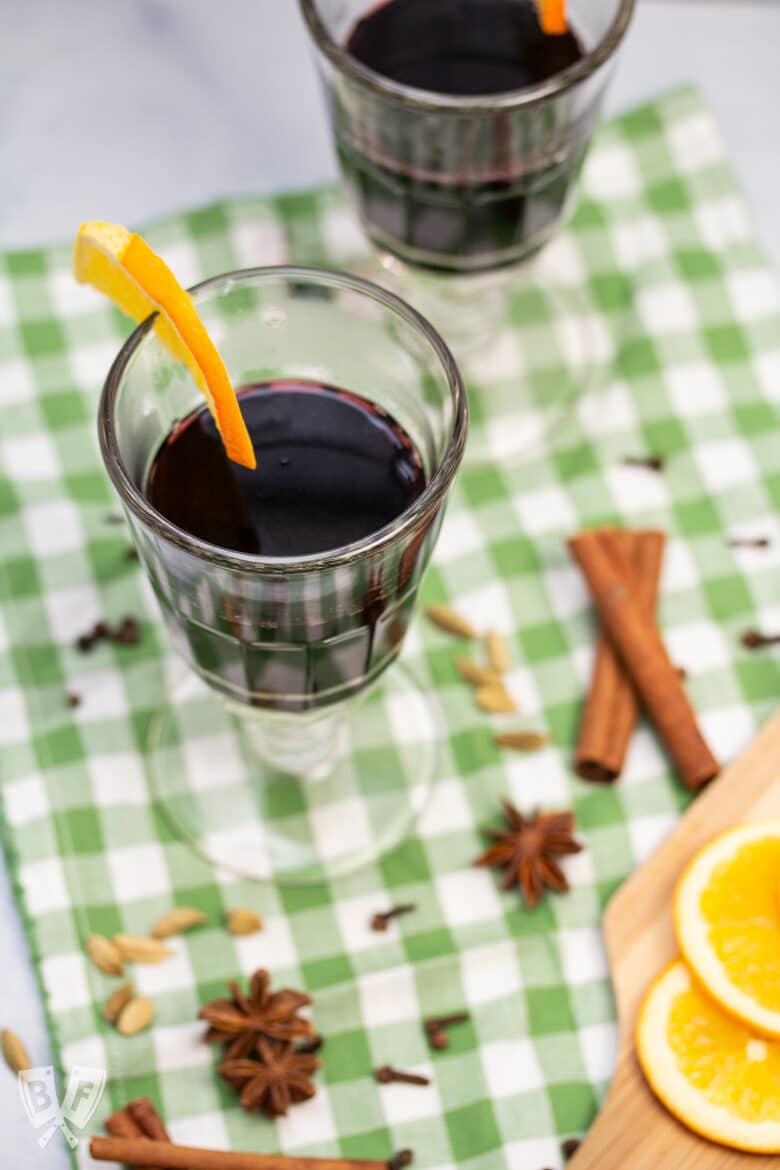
[[712, 1072], [121, 265]]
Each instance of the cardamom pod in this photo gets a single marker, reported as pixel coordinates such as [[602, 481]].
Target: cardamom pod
[[497, 651], [178, 920], [242, 921], [449, 620], [15, 1054], [104, 954], [472, 672], [112, 1008], [136, 1015], [496, 699], [138, 948], [522, 741]]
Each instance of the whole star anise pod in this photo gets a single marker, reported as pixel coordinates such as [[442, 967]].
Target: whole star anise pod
[[241, 1021], [279, 1078], [527, 849]]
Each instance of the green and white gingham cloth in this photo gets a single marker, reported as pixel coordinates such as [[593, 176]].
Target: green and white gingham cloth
[[682, 349]]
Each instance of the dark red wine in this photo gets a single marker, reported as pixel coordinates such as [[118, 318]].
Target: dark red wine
[[332, 469], [452, 194], [461, 47]]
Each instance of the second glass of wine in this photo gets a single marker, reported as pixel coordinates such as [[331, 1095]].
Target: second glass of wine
[[461, 128], [285, 751]]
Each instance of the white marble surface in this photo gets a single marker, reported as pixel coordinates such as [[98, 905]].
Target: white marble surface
[[127, 111]]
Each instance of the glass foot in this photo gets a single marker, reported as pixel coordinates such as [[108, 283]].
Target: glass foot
[[247, 816], [529, 341], [549, 353]]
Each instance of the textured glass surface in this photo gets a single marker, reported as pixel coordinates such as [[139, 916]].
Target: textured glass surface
[[280, 634], [463, 185]]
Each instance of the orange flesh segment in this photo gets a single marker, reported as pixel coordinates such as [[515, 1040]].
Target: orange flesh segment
[[124, 267], [741, 911], [724, 1060]]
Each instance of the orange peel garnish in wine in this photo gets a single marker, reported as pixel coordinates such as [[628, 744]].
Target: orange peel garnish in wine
[[552, 17], [121, 265]]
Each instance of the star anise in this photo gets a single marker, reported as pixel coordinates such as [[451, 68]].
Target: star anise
[[527, 849], [281, 1077], [241, 1021]]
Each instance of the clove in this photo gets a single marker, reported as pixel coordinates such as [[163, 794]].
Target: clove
[[381, 921], [754, 639], [436, 1027], [649, 462], [401, 1160], [387, 1075], [126, 633], [749, 542]]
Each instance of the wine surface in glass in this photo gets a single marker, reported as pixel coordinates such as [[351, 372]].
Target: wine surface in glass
[[332, 468], [461, 47], [421, 194]]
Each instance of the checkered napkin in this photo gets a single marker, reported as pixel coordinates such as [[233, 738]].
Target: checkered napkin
[[667, 307]]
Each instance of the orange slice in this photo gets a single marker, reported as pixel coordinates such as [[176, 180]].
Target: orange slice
[[552, 17], [715, 1074], [121, 265], [727, 922]]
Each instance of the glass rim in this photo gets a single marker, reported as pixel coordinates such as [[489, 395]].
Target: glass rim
[[424, 506], [422, 99]]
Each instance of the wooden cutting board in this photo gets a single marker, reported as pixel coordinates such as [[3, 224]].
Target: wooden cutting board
[[633, 1131]]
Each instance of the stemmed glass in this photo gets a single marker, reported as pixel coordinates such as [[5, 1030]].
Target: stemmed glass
[[279, 755], [458, 194]]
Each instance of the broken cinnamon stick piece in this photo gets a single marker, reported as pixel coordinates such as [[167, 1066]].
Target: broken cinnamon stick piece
[[121, 1125], [138, 1119], [148, 1119], [617, 594], [611, 709]]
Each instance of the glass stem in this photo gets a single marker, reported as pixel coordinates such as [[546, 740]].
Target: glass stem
[[467, 310], [302, 745]]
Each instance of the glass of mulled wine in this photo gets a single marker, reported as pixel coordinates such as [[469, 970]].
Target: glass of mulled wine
[[288, 590], [461, 128]]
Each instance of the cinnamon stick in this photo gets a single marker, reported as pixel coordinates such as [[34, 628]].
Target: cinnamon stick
[[617, 594], [146, 1117], [139, 1119], [142, 1152], [121, 1125], [611, 708]]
